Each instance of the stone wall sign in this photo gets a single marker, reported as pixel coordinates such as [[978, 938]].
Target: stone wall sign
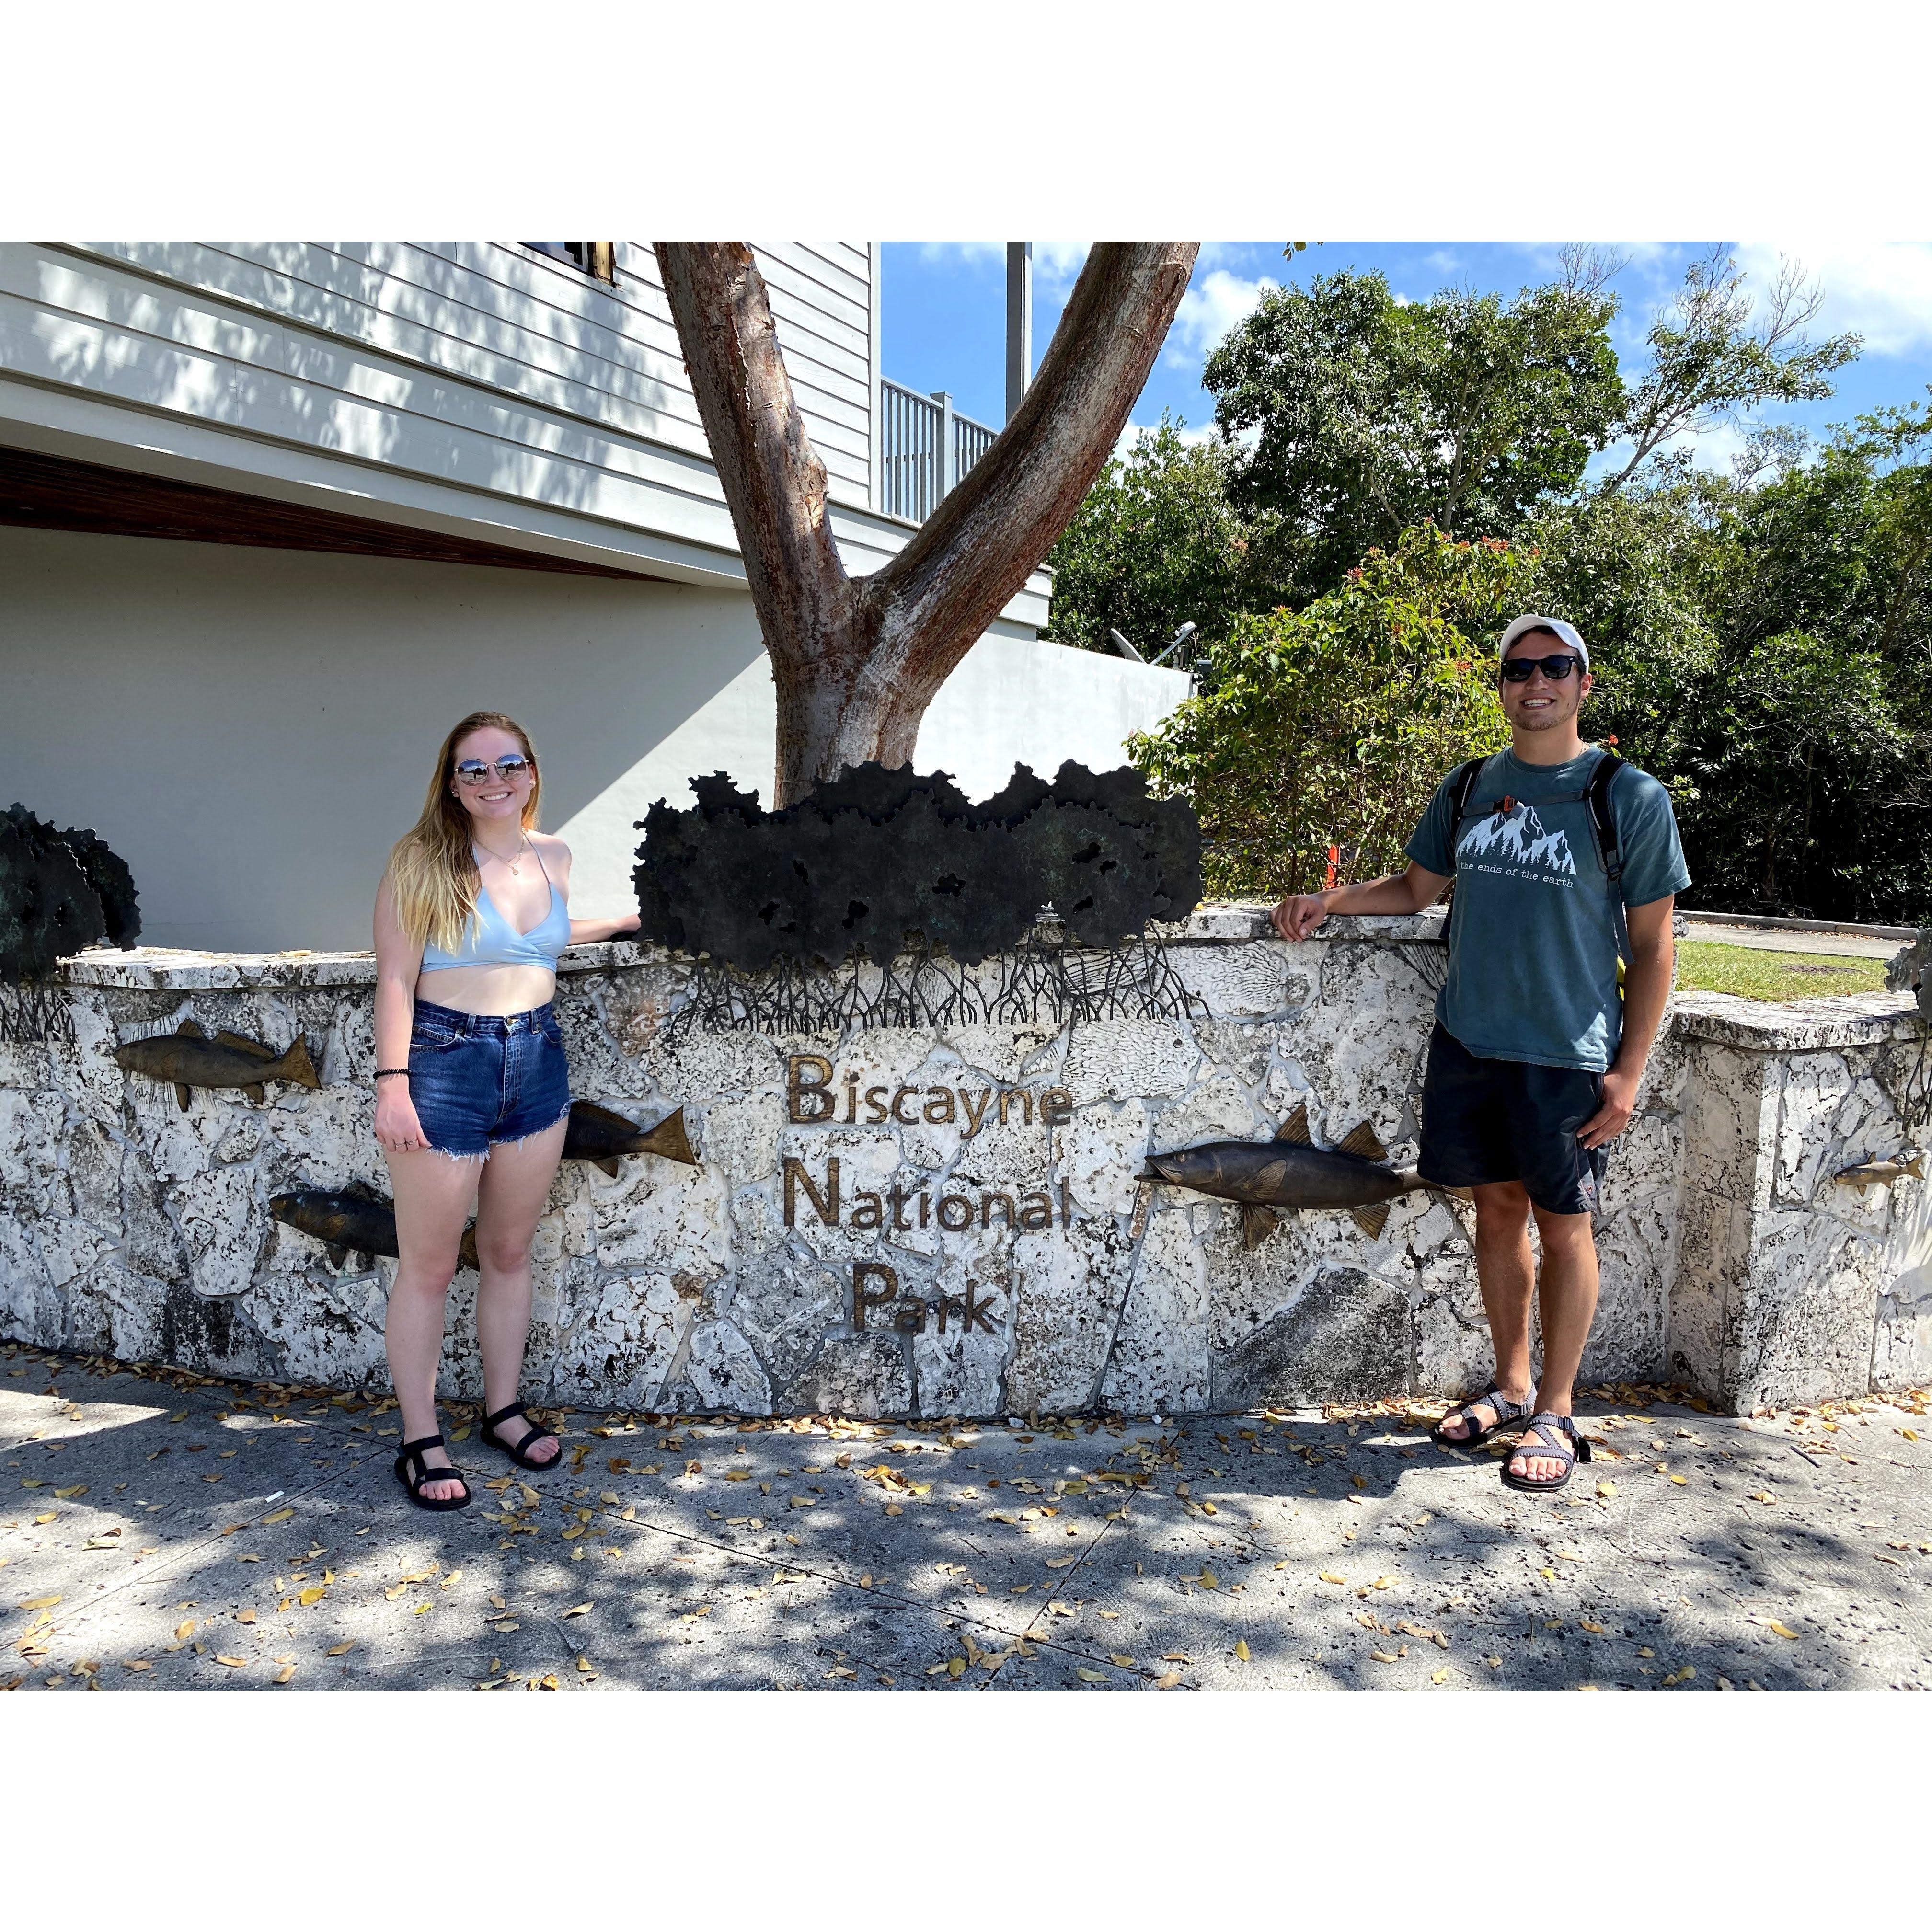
[[951, 1219]]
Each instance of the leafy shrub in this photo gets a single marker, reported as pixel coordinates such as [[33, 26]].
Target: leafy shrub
[[1331, 727]]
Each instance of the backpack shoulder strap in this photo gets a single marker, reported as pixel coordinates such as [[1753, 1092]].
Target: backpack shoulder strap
[[1602, 820], [1462, 784]]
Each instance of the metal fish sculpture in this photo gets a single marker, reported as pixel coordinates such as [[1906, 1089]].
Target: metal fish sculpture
[[346, 1222], [1886, 1173], [597, 1135], [189, 1059], [1291, 1172]]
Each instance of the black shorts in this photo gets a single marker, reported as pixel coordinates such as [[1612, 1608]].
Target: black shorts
[[1504, 1119]]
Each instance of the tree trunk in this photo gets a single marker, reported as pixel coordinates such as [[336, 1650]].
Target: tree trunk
[[856, 662]]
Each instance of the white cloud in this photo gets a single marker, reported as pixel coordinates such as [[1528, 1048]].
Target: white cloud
[[1883, 290], [970, 254], [1213, 304]]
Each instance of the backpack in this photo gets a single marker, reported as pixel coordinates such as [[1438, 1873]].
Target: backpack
[[1596, 794]]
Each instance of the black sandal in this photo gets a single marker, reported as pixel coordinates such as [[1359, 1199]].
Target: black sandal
[[514, 1450], [1492, 1397], [412, 1453], [1544, 1437]]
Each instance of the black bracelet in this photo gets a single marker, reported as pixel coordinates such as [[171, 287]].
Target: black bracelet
[[383, 1072]]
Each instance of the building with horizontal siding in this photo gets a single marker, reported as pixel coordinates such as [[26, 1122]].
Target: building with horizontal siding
[[274, 515]]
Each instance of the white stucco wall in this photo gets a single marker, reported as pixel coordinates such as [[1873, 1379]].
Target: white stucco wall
[[251, 729]]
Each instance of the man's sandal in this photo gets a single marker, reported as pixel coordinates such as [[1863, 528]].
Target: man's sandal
[[514, 1450], [1507, 1412], [411, 1457], [1544, 1437]]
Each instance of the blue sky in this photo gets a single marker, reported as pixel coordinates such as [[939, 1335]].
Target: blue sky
[[943, 311]]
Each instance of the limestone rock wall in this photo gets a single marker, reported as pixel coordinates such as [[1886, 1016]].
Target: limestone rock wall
[[980, 1255], [1793, 1286]]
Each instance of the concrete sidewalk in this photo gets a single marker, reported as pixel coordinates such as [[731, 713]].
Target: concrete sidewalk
[[1840, 943], [163, 1535]]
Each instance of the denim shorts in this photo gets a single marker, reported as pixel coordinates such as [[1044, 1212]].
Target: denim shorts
[[479, 1079]]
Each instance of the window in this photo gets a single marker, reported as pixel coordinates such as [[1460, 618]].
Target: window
[[595, 258]]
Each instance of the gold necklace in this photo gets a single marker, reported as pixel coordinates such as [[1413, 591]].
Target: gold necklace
[[514, 864]]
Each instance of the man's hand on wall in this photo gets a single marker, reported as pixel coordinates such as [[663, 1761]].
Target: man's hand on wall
[[1299, 914]]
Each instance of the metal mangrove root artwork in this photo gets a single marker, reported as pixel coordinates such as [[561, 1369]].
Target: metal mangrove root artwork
[[603, 1138], [1041, 981], [1291, 1172], [59, 893], [187, 1058], [869, 902]]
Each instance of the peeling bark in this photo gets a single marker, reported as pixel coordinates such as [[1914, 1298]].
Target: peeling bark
[[856, 661]]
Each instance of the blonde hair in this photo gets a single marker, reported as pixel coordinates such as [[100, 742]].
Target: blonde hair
[[432, 878]]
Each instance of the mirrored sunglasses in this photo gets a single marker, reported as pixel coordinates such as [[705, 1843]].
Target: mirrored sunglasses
[[473, 771]]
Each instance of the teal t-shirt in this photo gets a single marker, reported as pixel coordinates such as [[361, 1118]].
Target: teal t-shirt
[[1535, 933]]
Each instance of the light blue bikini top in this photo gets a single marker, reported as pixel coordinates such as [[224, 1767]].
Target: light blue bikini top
[[490, 940]]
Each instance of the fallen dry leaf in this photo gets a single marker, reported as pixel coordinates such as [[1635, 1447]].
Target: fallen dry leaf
[[579, 1609], [233, 1663], [1092, 1676], [279, 1516], [282, 1675], [1781, 1629], [342, 1649], [1241, 1649], [313, 1595], [1329, 1576]]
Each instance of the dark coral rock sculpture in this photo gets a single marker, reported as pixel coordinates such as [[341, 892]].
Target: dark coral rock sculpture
[[59, 891], [877, 855]]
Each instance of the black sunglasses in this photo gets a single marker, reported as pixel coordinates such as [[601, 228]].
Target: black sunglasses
[[1517, 670], [473, 771]]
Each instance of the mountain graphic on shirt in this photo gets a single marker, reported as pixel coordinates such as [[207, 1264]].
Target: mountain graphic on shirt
[[1517, 835]]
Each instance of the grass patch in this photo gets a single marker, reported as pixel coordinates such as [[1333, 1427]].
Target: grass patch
[[1705, 968]]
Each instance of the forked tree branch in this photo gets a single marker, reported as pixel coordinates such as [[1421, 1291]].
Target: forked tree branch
[[856, 663]]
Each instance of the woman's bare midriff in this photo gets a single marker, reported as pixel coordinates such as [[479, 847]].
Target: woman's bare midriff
[[487, 989]]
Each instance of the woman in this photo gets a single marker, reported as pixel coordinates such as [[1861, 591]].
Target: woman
[[472, 1093]]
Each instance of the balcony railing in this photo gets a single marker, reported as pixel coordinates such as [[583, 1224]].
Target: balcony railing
[[924, 447]]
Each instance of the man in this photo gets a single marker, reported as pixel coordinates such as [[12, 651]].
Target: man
[[1560, 959]]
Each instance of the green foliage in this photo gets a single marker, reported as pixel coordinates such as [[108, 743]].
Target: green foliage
[[1796, 761], [1156, 544], [1761, 642], [1635, 573], [1714, 358], [1360, 416], [1333, 725]]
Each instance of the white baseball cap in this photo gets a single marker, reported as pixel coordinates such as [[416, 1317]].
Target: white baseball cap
[[1568, 632]]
